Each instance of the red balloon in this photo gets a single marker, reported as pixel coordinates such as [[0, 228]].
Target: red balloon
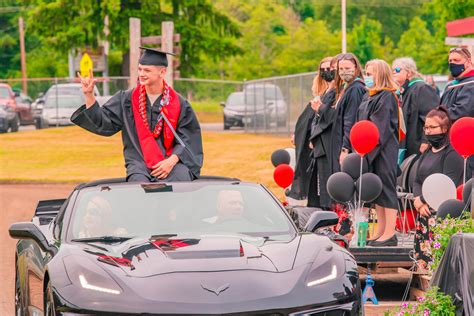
[[462, 136], [459, 192], [364, 136], [409, 216], [283, 175]]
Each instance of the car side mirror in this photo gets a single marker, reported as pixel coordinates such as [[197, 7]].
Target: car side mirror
[[28, 230], [222, 104], [17, 93], [321, 219]]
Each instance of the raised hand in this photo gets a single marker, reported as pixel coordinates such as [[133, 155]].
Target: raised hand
[[88, 84]]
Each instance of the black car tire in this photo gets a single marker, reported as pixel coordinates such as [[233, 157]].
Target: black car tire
[[15, 124], [19, 308], [49, 308], [226, 124]]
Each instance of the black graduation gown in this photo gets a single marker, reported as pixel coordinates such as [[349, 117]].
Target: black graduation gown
[[299, 187], [458, 97], [346, 111], [117, 115], [321, 131], [416, 101], [382, 110]]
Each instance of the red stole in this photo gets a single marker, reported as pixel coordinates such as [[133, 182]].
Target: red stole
[[150, 148]]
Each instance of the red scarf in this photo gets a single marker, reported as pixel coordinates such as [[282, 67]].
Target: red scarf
[[171, 108]]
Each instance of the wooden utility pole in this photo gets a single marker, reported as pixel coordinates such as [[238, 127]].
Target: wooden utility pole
[[22, 56], [135, 42], [167, 29]]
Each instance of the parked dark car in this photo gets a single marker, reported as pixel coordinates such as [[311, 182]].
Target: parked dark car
[[8, 119], [241, 109], [19, 104], [210, 246]]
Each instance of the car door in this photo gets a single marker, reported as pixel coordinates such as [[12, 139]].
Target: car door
[[24, 108]]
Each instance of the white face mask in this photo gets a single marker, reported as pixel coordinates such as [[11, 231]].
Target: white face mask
[[347, 75]]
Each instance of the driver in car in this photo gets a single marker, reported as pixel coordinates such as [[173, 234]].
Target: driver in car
[[230, 206], [97, 222]]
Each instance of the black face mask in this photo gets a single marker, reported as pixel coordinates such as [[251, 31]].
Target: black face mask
[[437, 141], [456, 69], [328, 75]]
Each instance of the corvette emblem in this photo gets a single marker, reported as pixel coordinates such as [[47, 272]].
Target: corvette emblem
[[218, 290]]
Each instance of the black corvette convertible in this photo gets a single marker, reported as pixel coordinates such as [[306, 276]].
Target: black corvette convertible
[[211, 246]]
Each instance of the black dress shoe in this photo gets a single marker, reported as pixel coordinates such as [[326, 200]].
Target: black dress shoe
[[391, 242]]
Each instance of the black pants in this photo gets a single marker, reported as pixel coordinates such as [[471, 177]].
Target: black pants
[[179, 173]]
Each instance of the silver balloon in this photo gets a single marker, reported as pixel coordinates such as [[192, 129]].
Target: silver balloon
[[438, 188]]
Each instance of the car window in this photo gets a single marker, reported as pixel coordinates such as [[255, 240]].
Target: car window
[[4, 93], [64, 101], [187, 210]]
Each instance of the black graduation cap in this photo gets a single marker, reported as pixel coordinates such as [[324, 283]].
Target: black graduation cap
[[154, 57]]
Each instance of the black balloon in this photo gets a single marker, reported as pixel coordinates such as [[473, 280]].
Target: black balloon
[[351, 165], [452, 207], [280, 156], [340, 187], [371, 187], [466, 191]]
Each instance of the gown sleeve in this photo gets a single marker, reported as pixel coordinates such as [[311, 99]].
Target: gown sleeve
[[106, 120]]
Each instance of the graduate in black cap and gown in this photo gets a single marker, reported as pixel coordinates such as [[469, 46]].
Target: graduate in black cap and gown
[[160, 132]]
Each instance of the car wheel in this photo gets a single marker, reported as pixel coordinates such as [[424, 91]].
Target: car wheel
[[15, 124], [226, 124], [49, 308], [19, 309]]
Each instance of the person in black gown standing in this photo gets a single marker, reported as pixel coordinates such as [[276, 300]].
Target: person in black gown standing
[[320, 138], [380, 107], [350, 89]]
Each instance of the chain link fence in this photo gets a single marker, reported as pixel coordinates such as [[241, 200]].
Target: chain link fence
[[272, 105], [51, 101]]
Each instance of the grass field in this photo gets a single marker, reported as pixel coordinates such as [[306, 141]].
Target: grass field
[[208, 111], [71, 154]]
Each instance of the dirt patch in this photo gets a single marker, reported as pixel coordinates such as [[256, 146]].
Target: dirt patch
[[17, 203]]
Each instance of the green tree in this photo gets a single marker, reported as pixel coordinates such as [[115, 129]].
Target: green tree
[[366, 41], [64, 25]]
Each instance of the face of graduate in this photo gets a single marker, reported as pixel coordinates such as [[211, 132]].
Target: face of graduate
[[347, 70], [151, 75], [399, 74]]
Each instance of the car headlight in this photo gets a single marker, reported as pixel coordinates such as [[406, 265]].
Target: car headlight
[[87, 275], [328, 266]]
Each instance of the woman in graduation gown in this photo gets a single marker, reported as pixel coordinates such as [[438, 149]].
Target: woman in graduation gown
[[300, 184], [321, 129], [350, 89], [417, 99], [380, 106]]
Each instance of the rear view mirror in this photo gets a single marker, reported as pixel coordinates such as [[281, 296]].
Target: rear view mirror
[[321, 219], [28, 230]]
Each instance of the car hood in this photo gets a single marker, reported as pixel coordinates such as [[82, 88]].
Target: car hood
[[148, 258]]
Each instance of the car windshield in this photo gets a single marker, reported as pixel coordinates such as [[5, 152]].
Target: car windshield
[[241, 99], [182, 210], [4, 93], [64, 101]]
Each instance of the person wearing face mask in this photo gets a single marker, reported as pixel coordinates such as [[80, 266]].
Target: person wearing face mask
[[380, 107], [417, 99], [350, 89], [301, 180], [458, 97], [440, 157], [320, 139]]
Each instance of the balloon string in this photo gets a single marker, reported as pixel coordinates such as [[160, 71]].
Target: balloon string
[[360, 183], [464, 174]]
